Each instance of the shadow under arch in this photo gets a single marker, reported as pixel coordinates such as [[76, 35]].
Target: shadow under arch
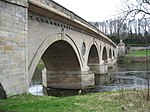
[[60, 56], [110, 53], [104, 55], [2, 92], [45, 45], [93, 57], [113, 53]]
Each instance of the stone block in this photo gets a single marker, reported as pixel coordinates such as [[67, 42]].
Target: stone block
[[1, 47], [87, 80], [6, 62], [3, 34], [13, 66], [7, 72], [8, 48], [3, 57], [2, 53], [19, 75], [4, 67]]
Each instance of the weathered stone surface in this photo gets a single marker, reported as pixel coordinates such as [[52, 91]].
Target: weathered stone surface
[[13, 31]]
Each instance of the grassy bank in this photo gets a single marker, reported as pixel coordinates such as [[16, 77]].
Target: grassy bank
[[128, 101], [140, 53], [135, 57]]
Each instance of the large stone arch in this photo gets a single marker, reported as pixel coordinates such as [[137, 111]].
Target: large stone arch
[[45, 45], [60, 57]]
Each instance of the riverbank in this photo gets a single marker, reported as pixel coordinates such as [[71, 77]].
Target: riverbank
[[127, 101], [137, 56]]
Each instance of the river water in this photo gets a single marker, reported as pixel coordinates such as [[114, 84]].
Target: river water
[[120, 76]]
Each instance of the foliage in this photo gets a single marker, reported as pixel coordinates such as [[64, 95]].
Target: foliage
[[128, 101], [40, 65], [114, 38]]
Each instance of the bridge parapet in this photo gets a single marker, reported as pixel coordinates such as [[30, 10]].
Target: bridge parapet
[[72, 18], [23, 3]]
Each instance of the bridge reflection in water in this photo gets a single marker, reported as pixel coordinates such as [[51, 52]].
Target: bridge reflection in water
[[119, 77]]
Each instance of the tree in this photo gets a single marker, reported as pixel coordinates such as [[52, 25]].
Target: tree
[[134, 8], [138, 9]]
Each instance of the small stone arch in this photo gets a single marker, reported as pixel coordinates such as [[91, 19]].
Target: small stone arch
[[113, 53], [93, 56], [104, 54], [93, 45], [110, 53]]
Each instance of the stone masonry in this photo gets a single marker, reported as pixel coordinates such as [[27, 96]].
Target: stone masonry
[[13, 37]]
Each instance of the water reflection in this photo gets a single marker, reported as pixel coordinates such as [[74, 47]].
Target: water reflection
[[36, 89], [129, 76]]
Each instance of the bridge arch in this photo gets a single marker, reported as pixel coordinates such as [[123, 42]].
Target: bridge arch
[[104, 55], [93, 57], [53, 40], [110, 53], [60, 56], [113, 54]]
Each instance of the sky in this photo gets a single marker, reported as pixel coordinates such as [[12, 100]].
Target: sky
[[92, 10]]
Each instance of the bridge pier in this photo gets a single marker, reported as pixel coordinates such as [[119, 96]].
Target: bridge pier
[[100, 71], [13, 47], [67, 79]]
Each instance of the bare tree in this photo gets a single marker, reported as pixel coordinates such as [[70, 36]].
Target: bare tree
[[110, 26], [132, 10]]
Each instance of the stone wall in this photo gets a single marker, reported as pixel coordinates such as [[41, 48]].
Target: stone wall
[[139, 48], [13, 36]]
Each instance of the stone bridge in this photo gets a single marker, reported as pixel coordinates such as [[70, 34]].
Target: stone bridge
[[72, 50]]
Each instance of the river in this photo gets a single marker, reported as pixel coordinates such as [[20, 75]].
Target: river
[[121, 76]]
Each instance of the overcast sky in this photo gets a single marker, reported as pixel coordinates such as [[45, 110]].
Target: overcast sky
[[92, 10]]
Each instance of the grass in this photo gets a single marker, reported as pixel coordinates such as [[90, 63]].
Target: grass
[[128, 101], [135, 57], [140, 53]]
